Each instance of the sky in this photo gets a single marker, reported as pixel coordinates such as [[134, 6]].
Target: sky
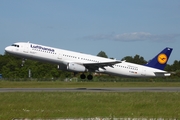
[[118, 27]]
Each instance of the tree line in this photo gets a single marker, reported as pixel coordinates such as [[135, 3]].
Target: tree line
[[14, 67]]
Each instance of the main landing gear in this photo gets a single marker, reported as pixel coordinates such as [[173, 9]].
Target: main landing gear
[[89, 77]]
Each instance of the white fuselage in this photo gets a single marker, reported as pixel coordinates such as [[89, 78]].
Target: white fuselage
[[63, 57]]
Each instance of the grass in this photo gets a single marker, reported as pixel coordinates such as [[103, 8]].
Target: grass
[[59, 84], [85, 105], [90, 104]]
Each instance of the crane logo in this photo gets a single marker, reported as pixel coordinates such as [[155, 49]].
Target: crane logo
[[162, 58]]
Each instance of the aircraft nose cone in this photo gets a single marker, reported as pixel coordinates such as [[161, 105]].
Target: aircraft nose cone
[[7, 49]]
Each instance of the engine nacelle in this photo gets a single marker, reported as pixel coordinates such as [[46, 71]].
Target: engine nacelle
[[75, 67]]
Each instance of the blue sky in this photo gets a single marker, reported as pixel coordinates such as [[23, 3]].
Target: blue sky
[[118, 27]]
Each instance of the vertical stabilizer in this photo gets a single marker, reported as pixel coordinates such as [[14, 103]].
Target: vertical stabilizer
[[160, 60]]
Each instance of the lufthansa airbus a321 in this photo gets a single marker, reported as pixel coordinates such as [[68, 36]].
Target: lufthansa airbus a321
[[81, 63]]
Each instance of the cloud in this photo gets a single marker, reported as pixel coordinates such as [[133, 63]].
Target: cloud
[[135, 36]]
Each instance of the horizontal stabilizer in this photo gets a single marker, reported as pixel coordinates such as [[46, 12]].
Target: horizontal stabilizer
[[162, 74]]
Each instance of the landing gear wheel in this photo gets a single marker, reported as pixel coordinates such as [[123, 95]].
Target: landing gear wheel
[[82, 76], [89, 77]]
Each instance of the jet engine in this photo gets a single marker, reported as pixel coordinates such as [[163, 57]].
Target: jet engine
[[76, 67]]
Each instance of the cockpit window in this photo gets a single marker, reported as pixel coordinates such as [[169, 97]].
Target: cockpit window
[[15, 45]]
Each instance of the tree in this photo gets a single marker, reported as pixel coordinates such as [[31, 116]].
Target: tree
[[102, 54], [176, 65], [139, 60], [136, 59], [128, 59]]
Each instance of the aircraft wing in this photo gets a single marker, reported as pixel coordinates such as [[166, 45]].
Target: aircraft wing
[[96, 66]]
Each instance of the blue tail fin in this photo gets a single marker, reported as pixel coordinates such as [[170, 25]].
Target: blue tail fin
[[160, 60]]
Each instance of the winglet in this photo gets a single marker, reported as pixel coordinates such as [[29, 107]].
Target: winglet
[[160, 60]]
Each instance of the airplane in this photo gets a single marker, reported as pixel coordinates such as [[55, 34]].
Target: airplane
[[81, 63]]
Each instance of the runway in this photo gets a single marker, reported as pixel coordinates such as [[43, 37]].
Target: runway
[[127, 89]]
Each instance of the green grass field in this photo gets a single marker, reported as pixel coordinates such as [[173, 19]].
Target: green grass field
[[59, 84], [88, 104]]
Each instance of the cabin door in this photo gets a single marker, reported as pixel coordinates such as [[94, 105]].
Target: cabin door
[[143, 72], [26, 48], [60, 56]]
